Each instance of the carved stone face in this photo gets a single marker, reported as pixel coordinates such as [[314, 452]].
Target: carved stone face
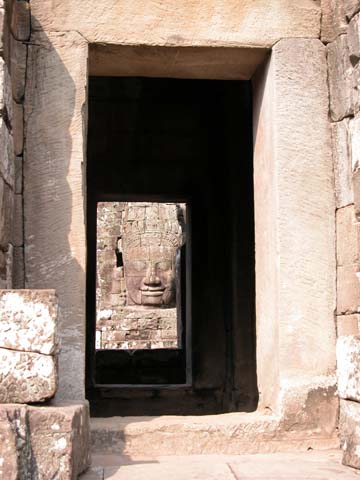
[[150, 275]]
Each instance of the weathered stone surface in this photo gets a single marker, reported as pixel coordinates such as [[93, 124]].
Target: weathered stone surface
[[3, 283], [354, 135], [354, 39], [17, 237], [18, 53], [294, 219], [6, 267], [53, 174], [18, 277], [348, 325], [349, 432], [18, 128], [348, 367], [9, 265], [18, 174], [227, 434], [348, 289], [333, 21], [225, 63], [7, 93], [351, 7], [311, 465], [7, 169], [26, 377], [14, 446], [228, 23], [340, 79], [342, 163], [6, 210], [356, 189], [20, 20], [43, 442], [60, 440], [347, 236], [28, 320]]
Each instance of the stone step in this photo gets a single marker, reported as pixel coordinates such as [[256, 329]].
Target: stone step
[[230, 434]]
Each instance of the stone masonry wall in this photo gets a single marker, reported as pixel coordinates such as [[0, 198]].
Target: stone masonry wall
[[341, 33], [15, 29]]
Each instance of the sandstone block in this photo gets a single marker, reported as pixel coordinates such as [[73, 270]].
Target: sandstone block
[[340, 79], [54, 153], [14, 448], [26, 377], [7, 93], [348, 289], [356, 189], [2, 269], [6, 210], [349, 432], [351, 7], [347, 236], [18, 174], [18, 128], [17, 237], [333, 19], [348, 367], [202, 23], [342, 163], [43, 442], [28, 320], [60, 440], [18, 53], [348, 325], [354, 39], [18, 268], [6, 267], [354, 137], [9, 265], [7, 168], [20, 20]]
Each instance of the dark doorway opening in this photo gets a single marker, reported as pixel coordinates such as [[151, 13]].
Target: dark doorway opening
[[191, 140]]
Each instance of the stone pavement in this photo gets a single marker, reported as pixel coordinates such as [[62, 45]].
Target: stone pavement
[[277, 466]]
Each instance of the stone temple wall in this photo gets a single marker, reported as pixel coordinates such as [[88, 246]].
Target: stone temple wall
[[341, 33], [119, 326], [15, 26]]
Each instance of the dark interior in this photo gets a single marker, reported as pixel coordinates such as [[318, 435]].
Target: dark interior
[[164, 139]]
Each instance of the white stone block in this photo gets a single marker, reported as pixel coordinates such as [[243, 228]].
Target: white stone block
[[26, 377], [28, 320], [348, 367]]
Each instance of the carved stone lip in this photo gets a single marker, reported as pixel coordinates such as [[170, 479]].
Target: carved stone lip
[[152, 293]]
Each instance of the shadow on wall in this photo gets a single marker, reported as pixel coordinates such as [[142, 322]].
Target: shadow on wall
[[54, 190]]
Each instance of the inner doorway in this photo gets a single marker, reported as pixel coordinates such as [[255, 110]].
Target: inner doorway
[[169, 140]]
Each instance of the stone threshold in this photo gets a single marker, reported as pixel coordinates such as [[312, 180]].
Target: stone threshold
[[230, 434]]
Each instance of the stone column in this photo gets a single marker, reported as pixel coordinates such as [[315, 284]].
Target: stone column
[[295, 233], [54, 190]]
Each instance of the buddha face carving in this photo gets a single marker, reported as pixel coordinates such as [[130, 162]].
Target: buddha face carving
[[151, 238], [150, 276]]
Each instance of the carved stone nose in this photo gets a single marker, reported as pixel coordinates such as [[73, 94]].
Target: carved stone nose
[[151, 278]]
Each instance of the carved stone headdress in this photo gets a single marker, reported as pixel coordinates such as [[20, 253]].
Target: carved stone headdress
[[151, 224]]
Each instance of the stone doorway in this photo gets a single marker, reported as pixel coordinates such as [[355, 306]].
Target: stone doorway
[[160, 138]]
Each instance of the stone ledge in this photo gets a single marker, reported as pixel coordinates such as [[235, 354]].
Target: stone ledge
[[182, 435]]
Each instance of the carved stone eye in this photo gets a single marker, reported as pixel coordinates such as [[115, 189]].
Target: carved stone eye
[[138, 265], [163, 266]]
